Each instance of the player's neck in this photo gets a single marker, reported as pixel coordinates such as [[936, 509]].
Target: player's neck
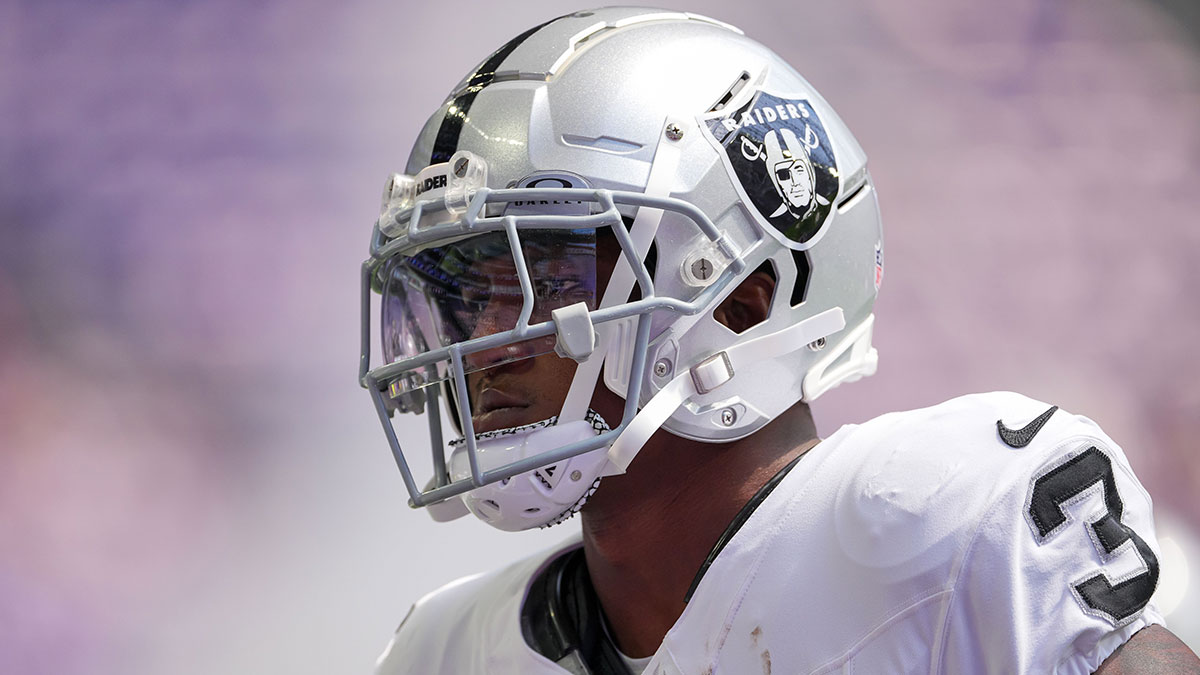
[[647, 532]]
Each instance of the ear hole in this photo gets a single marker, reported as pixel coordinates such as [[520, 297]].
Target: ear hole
[[733, 90], [744, 316]]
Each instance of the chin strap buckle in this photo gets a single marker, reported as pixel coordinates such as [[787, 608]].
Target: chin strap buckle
[[712, 372]]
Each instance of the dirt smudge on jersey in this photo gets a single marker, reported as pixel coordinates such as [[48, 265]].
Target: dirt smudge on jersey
[[766, 654]]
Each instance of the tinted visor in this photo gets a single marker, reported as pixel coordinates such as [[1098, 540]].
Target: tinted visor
[[472, 289]]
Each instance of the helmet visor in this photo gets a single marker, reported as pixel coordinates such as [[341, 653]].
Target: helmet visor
[[473, 289]]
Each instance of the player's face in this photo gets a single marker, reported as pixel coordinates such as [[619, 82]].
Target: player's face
[[470, 289], [519, 392], [527, 382]]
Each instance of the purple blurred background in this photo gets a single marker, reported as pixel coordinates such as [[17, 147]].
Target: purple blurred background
[[191, 480]]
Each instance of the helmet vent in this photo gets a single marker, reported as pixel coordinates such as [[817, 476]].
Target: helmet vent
[[733, 90], [852, 199], [590, 32], [803, 271], [616, 146]]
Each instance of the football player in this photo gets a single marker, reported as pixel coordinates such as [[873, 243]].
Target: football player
[[594, 284]]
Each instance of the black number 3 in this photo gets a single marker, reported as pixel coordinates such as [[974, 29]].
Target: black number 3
[[1063, 485]]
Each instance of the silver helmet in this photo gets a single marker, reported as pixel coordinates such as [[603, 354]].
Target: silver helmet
[[706, 158]]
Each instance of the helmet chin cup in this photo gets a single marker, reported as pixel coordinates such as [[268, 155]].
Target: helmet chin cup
[[539, 498], [448, 509]]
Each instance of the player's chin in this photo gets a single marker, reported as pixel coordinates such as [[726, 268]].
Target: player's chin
[[504, 418]]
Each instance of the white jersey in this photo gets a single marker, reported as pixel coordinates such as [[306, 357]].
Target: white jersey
[[918, 542]]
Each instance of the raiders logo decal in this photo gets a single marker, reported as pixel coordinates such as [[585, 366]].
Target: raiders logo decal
[[778, 154]]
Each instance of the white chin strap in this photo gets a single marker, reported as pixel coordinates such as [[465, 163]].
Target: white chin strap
[[620, 284], [683, 388]]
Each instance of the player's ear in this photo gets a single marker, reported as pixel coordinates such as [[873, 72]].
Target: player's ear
[[749, 304]]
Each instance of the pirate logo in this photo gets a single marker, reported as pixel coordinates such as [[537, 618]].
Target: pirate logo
[[778, 153]]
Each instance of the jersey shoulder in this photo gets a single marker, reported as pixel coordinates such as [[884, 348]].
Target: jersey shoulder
[[1053, 527], [911, 537], [922, 475], [927, 473], [976, 424], [986, 444], [471, 625]]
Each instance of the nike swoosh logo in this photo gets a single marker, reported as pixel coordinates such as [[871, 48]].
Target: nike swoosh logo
[[1019, 438]]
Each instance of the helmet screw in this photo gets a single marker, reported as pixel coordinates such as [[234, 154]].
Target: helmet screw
[[728, 417], [702, 269], [575, 475], [662, 367], [674, 132], [460, 167], [817, 345]]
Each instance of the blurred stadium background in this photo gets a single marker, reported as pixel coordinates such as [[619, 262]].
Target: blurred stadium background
[[191, 480]]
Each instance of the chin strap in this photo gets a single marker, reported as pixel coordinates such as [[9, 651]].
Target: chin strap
[[620, 284], [683, 387]]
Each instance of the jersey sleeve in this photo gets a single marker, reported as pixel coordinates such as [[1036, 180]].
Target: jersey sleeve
[[1063, 565], [472, 626], [421, 642], [390, 662]]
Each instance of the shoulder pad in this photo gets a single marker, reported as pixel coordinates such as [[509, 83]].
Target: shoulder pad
[[469, 625]]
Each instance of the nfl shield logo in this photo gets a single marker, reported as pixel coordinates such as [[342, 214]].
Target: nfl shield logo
[[778, 154]]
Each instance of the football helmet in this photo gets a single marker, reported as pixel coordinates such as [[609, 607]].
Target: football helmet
[[706, 158]]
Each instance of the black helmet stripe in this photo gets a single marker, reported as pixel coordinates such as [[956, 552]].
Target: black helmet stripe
[[447, 137]]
